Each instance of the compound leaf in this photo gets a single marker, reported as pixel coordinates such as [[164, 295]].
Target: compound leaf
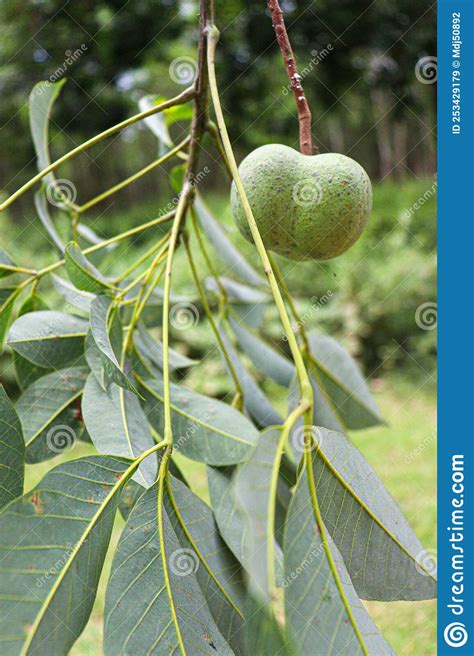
[[154, 604]]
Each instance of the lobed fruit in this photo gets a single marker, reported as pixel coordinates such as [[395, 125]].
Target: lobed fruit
[[306, 207]]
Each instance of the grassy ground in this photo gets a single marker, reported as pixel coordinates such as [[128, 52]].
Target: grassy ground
[[404, 454]]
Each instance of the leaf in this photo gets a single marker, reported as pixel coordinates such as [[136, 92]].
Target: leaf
[[322, 607], [235, 262], [12, 451], [153, 605], [48, 338], [54, 541], [150, 352], [177, 175], [50, 413], [248, 304], [117, 425], [82, 273], [93, 238], [156, 122], [5, 263], [75, 297], [380, 549], [219, 574], [8, 296], [255, 401], [27, 372], [255, 491], [263, 635], [40, 103], [264, 357], [204, 429], [100, 318], [43, 212], [343, 384]]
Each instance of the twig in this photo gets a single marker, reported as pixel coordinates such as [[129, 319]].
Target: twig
[[304, 113]]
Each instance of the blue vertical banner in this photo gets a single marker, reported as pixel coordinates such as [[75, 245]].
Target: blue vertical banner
[[456, 327]]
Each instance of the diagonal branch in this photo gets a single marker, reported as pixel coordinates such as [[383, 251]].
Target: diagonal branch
[[304, 113]]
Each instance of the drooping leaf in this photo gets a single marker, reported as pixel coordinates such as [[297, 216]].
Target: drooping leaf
[[343, 384], [75, 297], [50, 413], [42, 210], [117, 425], [150, 352], [224, 248], [27, 372], [255, 401], [54, 541], [41, 101], [154, 604], [82, 273], [379, 547], [6, 264], [48, 338], [255, 490], [219, 574], [322, 607], [204, 429], [12, 451], [264, 357], [100, 319]]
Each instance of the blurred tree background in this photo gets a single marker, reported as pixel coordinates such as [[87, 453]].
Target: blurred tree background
[[358, 60]]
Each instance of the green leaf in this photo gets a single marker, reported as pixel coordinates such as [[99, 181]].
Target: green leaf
[[322, 607], [264, 357], [150, 352], [219, 574], [27, 372], [54, 541], [48, 338], [204, 429], [343, 384], [50, 413], [5, 263], [41, 101], [263, 635], [224, 248], [75, 297], [255, 401], [117, 425], [154, 604], [156, 122], [255, 490], [177, 175], [12, 451], [82, 273], [8, 296], [380, 549], [42, 210], [100, 320]]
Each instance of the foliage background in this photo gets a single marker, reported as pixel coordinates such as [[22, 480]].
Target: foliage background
[[358, 60]]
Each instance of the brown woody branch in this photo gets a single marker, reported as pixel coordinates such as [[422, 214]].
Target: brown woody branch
[[304, 113]]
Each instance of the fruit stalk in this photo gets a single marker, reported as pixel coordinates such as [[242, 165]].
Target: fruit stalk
[[304, 112]]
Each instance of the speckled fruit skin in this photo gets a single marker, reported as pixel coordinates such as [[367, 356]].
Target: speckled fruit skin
[[306, 207]]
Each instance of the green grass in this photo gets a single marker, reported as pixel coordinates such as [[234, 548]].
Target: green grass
[[404, 455]]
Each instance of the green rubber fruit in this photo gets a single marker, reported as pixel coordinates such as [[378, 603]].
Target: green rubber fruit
[[306, 207]]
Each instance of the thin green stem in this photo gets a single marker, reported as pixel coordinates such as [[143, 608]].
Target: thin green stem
[[303, 378], [182, 98], [238, 400], [148, 253], [146, 169]]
